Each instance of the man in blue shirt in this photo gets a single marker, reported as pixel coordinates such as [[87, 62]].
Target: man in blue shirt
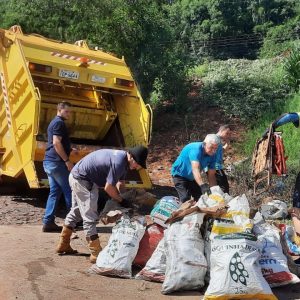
[[186, 170], [106, 169], [57, 165]]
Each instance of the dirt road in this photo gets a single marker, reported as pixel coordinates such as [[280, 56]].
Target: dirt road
[[29, 270]]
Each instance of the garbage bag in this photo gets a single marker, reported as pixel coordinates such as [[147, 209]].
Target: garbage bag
[[235, 273], [186, 263], [275, 209], [117, 257], [155, 268], [273, 262], [217, 197], [163, 209], [154, 233], [235, 220]]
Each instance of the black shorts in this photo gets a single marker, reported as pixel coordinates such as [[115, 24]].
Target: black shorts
[[186, 188]]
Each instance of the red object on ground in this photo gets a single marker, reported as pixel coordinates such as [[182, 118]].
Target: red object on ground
[[279, 163], [279, 277], [153, 234]]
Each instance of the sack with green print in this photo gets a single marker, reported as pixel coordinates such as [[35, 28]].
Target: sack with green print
[[235, 272], [117, 257]]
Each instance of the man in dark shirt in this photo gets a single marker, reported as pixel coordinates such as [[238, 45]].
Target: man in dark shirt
[[57, 165], [106, 169]]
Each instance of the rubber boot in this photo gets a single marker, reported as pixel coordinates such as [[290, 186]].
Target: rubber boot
[[64, 241], [95, 248]]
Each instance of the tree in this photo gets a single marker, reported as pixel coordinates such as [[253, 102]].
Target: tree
[[139, 30]]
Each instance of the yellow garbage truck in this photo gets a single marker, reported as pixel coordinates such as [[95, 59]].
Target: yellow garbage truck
[[37, 73]]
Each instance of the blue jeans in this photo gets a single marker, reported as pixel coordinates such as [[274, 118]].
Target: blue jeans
[[58, 176]]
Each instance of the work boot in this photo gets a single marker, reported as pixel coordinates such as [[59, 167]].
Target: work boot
[[95, 248], [64, 241], [52, 227]]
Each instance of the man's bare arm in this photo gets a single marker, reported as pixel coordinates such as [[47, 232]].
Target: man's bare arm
[[196, 172], [211, 177], [59, 147], [61, 151], [113, 192]]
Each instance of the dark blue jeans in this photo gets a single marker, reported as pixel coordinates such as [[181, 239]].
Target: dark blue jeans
[[58, 176]]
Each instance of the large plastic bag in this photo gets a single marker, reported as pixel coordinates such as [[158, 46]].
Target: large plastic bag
[[117, 257], [155, 268], [274, 209], [186, 263], [163, 209], [217, 197], [235, 273], [273, 262], [235, 220], [154, 233]]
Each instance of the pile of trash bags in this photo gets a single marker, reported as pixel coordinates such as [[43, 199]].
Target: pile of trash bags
[[237, 257]]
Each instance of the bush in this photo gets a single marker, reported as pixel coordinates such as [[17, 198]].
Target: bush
[[244, 88], [292, 68], [281, 38]]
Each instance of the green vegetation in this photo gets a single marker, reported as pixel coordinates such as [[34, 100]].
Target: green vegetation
[[140, 31], [281, 38], [246, 89], [163, 40]]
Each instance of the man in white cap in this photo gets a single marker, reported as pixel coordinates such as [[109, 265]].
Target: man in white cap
[[193, 159], [100, 169]]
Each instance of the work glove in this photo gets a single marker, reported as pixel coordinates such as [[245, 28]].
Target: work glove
[[126, 203], [205, 189]]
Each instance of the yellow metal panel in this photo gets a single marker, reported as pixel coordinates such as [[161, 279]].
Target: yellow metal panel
[[134, 120], [19, 127]]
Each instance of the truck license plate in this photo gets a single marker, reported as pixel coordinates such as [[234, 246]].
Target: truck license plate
[[68, 74]]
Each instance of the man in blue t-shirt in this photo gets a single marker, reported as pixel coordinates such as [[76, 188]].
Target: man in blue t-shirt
[[106, 169], [186, 170], [57, 165]]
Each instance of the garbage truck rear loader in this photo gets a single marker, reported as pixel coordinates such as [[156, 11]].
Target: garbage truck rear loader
[[37, 73]]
